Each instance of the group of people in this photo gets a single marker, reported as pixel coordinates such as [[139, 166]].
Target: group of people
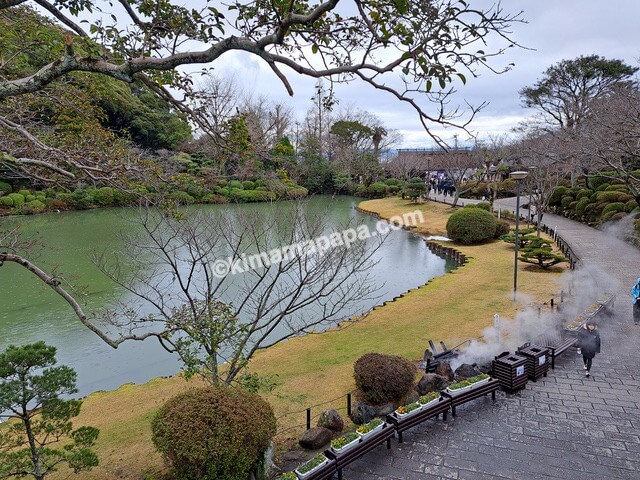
[[441, 186], [589, 338]]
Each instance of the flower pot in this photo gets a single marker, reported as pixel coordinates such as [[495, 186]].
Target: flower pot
[[469, 387], [349, 445], [429, 404], [403, 415], [306, 474], [376, 429]]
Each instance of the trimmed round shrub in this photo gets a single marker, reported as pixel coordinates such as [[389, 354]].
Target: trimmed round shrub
[[182, 197], [360, 190], [6, 202], [502, 228], [248, 185], [18, 200], [29, 198], [213, 433], [5, 188], [617, 188], [34, 206], [24, 192], [625, 197], [471, 225], [583, 194], [618, 216], [609, 196], [556, 196], [630, 206], [581, 206], [235, 184], [614, 207], [566, 201], [377, 190], [383, 378], [392, 181]]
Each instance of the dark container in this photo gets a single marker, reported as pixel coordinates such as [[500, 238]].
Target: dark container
[[537, 361], [510, 370]]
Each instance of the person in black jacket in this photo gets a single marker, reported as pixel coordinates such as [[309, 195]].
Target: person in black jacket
[[589, 343]]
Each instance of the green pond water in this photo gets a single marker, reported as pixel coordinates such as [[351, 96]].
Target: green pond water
[[30, 311]]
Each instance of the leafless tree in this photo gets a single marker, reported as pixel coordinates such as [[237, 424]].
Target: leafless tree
[[548, 161], [459, 165], [608, 145], [217, 286]]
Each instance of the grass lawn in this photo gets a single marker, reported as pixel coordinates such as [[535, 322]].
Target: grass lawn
[[317, 368]]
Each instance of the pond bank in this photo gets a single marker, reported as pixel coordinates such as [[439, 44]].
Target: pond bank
[[314, 368]]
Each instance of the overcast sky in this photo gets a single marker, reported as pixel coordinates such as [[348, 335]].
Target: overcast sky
[[555, 30]]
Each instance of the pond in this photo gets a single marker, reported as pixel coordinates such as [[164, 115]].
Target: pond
[[30, 311]]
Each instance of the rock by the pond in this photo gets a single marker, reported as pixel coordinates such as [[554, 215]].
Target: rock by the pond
[[332, 420], [444, 369], [362, 413], [432, 382], [466, 371], [315, 438], [384, 410]]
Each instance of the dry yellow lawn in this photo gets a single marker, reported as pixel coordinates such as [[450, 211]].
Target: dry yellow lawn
[[317, 368]]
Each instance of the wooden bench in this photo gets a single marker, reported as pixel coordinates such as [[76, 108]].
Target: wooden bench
[[404, 423], [325, 473], [365, 445], [459, 398], [556, 343]]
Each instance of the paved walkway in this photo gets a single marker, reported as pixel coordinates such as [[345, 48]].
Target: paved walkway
[[564, 426]]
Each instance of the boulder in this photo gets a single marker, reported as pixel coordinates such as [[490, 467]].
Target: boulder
[[362, 413], [484, 367], [411, 397], [332, 420], [384, 410], [432, 382], [444, 369], [466, 371], [315, 438]]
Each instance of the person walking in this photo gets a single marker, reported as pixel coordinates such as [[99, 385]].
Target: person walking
[[589, 343], [635, 294]]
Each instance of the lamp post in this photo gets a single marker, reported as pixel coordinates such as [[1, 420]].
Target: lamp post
[[518, 177]]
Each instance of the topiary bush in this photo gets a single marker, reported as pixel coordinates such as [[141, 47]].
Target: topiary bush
[[471, 225], [6, 202], [182, 197], [383, 378], [502, 228], [235, 184], [248, 185], [18, 200], [614, 207], [5, 188], [213, 433], [34, 206]]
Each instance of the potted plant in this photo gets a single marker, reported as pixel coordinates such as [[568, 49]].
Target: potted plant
[[288, 476], [311, 466], [429, 399], [575, 325], [469, 383], [405, 410], [368, 428], [344, 442], [591, 310]]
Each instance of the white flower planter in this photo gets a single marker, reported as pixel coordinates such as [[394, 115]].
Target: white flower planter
[[376, 429], [429, 404], [468, 387], [412, 412], [349, 445], [305, 475]]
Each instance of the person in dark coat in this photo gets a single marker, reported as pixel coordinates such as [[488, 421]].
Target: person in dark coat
[[589, 343]]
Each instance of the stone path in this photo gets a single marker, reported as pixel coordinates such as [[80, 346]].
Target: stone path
[[564, 426]]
